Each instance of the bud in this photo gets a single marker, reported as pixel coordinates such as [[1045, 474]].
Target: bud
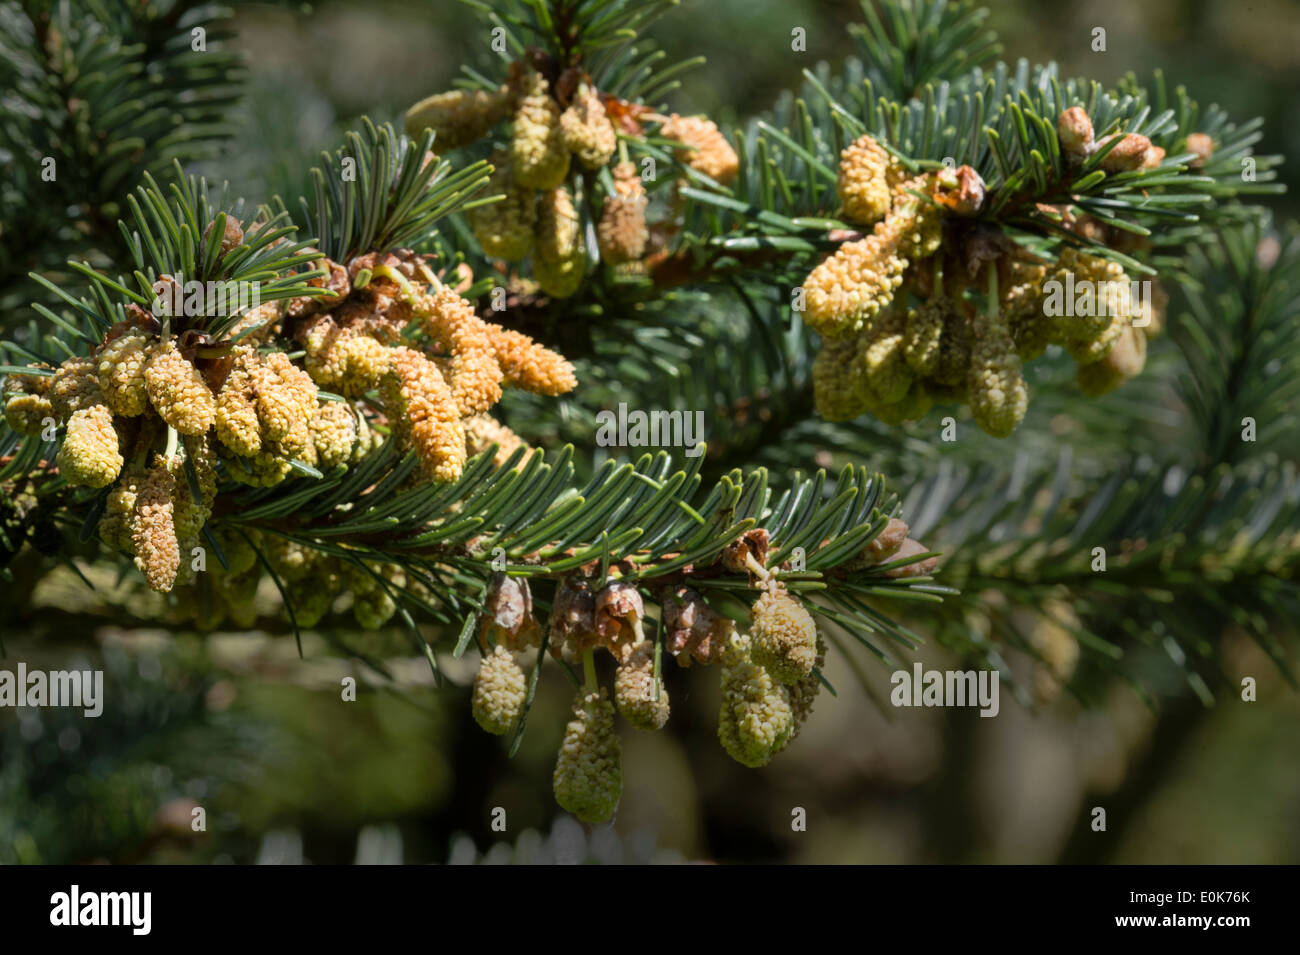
[[1074, 129], [886, 544], [374, 609], [849, 288], [482, 431], [89, 455], [239, 593], [704, 147], [1203, 146], [367, 438], [263, 469], [923, 334], [343, 359], [190, 514], [804, 692], [313, 595], [694, 631], [177, 390], [573, 620], [1124, 361], [561, 278], [588, 778], [961, 190], [1086, 351], [258, 324], [914, 228], [505, 229], [508, 617], [587, 131], [115, 525], [619, 612], [634, 690], [237, 424], [372, 603], [529, 365], [783, 636], [539, 158], [333, 432], [290, 560], [153, 529], [239, 553], [499, 691], [755, 719], [286, 395], [1107, 278], [232, 235], [622, 232], [74, 385], [1132, 152], [998, 394], [837, 392], [558, 225], [880, 363], [1020, 301], [458, 117], [423, 414], [120, 370], [863, 183], [27, 403], [753, 543], [913, 406]]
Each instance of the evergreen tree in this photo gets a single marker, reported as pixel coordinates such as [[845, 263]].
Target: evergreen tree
[[919, 260]]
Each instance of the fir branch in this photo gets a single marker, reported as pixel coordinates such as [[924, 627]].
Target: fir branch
[[605, 38], [1184, 554], [1003, 124], [1240, 337], [87, 115], [914, 43], [643, 520], [383, 191]]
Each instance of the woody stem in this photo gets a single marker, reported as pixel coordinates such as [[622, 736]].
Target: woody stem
[[589, 671]]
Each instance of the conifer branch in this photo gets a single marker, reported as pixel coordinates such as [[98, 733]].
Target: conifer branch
[[92, 105]]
